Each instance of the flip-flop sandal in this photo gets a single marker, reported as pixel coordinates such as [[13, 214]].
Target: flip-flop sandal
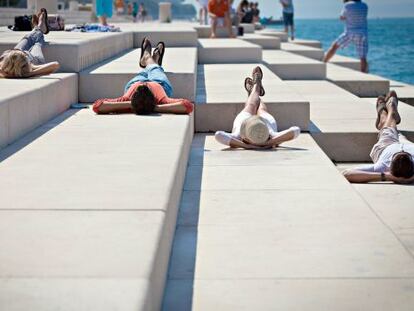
[[255, 77], [43, 10], [248, 85], [397, 116], [157, 50], [143, 49], [381, 106]]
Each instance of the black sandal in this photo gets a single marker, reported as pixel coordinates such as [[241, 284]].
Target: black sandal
[[144, 46], [160, 47], [248, 85]]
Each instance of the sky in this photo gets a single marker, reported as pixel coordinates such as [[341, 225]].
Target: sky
[[332, 8]]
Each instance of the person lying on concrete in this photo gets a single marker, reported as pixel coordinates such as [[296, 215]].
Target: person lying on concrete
[[219, 13], [149, 91], [254, 127], [26, 59], [392, 154], [354, 15]]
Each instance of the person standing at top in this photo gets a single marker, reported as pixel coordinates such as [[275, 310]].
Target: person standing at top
[[354, 14], [288, 12], [219, 12], [203, 12]]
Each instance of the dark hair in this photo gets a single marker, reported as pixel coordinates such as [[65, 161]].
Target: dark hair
[[402, 165], [143, 101]]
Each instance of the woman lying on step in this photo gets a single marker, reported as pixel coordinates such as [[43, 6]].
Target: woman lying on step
[[149, 91], [254, 127], [26, 59]]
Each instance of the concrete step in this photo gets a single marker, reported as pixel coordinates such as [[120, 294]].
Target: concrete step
[[97, 213], [246, 237], [27, 103], [342, 123], [290, 66], [248, 28], [204, 31], [274, 33], [219, 51], [311, 43], [306, 51], [356, 82], [73, 50], [405, 91], [108, 79], [348, 62], [173, 35], [266, 42], [221, 96]]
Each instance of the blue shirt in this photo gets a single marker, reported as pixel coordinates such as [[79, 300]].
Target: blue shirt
[[289, 6], [355, 14]]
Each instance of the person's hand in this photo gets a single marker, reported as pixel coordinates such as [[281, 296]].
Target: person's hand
[[399, 180]]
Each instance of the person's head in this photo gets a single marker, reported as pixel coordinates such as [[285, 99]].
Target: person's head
[[254, 130], [402, 165], [251, 5], [244, 4], [143, 101], [256, 5], [15, 64]]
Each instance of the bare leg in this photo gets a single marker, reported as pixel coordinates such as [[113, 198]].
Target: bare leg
[[229, 26], [147, 59], [213, 27], [253, 101], [292, 32], [205, 16], [102, 20], [262, 108], [331, 52], [364, 65], [286, 29], [389, 120]]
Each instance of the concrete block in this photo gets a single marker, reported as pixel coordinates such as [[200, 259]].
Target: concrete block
[[220, 51], [108, 79], [311, 43], [358, 83], [348, 62], [204, 31], [274, 33], [221, 96], [405, 91], [31, 102], [76, 51], [290, 66], [266, 42], [247, 28], [306, 51]]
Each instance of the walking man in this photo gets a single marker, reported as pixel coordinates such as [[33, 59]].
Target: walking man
[[288, 12]]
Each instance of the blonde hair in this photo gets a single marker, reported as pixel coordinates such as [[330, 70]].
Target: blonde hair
[[15, 64]]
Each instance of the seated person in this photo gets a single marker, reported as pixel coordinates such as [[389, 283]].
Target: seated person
[[149, 91], [254, 127], [26, 59], [392, 154], [219, 12]]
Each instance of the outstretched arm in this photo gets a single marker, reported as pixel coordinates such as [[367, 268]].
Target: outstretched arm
[[113, 107], [177, 106], [41, 70], [357, 176]]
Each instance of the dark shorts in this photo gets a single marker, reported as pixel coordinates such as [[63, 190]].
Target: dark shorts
[[288, 19]]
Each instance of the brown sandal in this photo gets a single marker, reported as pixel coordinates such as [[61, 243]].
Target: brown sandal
[[397, 116], [381, 106], [257, 74]]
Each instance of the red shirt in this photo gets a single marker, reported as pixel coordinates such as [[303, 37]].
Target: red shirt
[[218, 7], [157, 90]]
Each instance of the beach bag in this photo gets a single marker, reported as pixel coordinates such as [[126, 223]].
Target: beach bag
[[22, 23], [56, 22]]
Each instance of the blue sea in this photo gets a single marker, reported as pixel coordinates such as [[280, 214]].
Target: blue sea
[[391, 44]]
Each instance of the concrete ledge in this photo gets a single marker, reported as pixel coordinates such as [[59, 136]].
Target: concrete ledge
[[221, 96], [75, 51], [347, 62], [274, 33], [204, 31], [311, 43], [289, 66], [306, 51], [108, 79], [405, 91], [358, 83], [28, 103], [266, 42], [219, 51], [248, 28], [101, 204]]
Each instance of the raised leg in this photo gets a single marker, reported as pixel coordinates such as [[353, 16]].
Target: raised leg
[[213, 27], [292, 32], [253, 101], [331, 52], [364, 65]]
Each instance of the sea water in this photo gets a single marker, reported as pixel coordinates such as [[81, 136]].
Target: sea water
[[391, 43]]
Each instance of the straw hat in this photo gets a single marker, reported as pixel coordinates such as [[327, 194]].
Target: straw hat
[[254, 130]]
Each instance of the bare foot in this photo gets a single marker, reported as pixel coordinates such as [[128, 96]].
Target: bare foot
[[213, 36]]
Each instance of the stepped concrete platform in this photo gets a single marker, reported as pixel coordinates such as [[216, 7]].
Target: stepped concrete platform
[[356, 82], [246, 238], [248, 28], [221, 96], [342, 123], [73, 50], [266, 42], [404, 91], [306, 51], [204, 31], [97, 214], [28, 103], [290, 66], [108, 79], [220, 51], [173, 35], [274, 33], [348, 62], [311, 43]]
